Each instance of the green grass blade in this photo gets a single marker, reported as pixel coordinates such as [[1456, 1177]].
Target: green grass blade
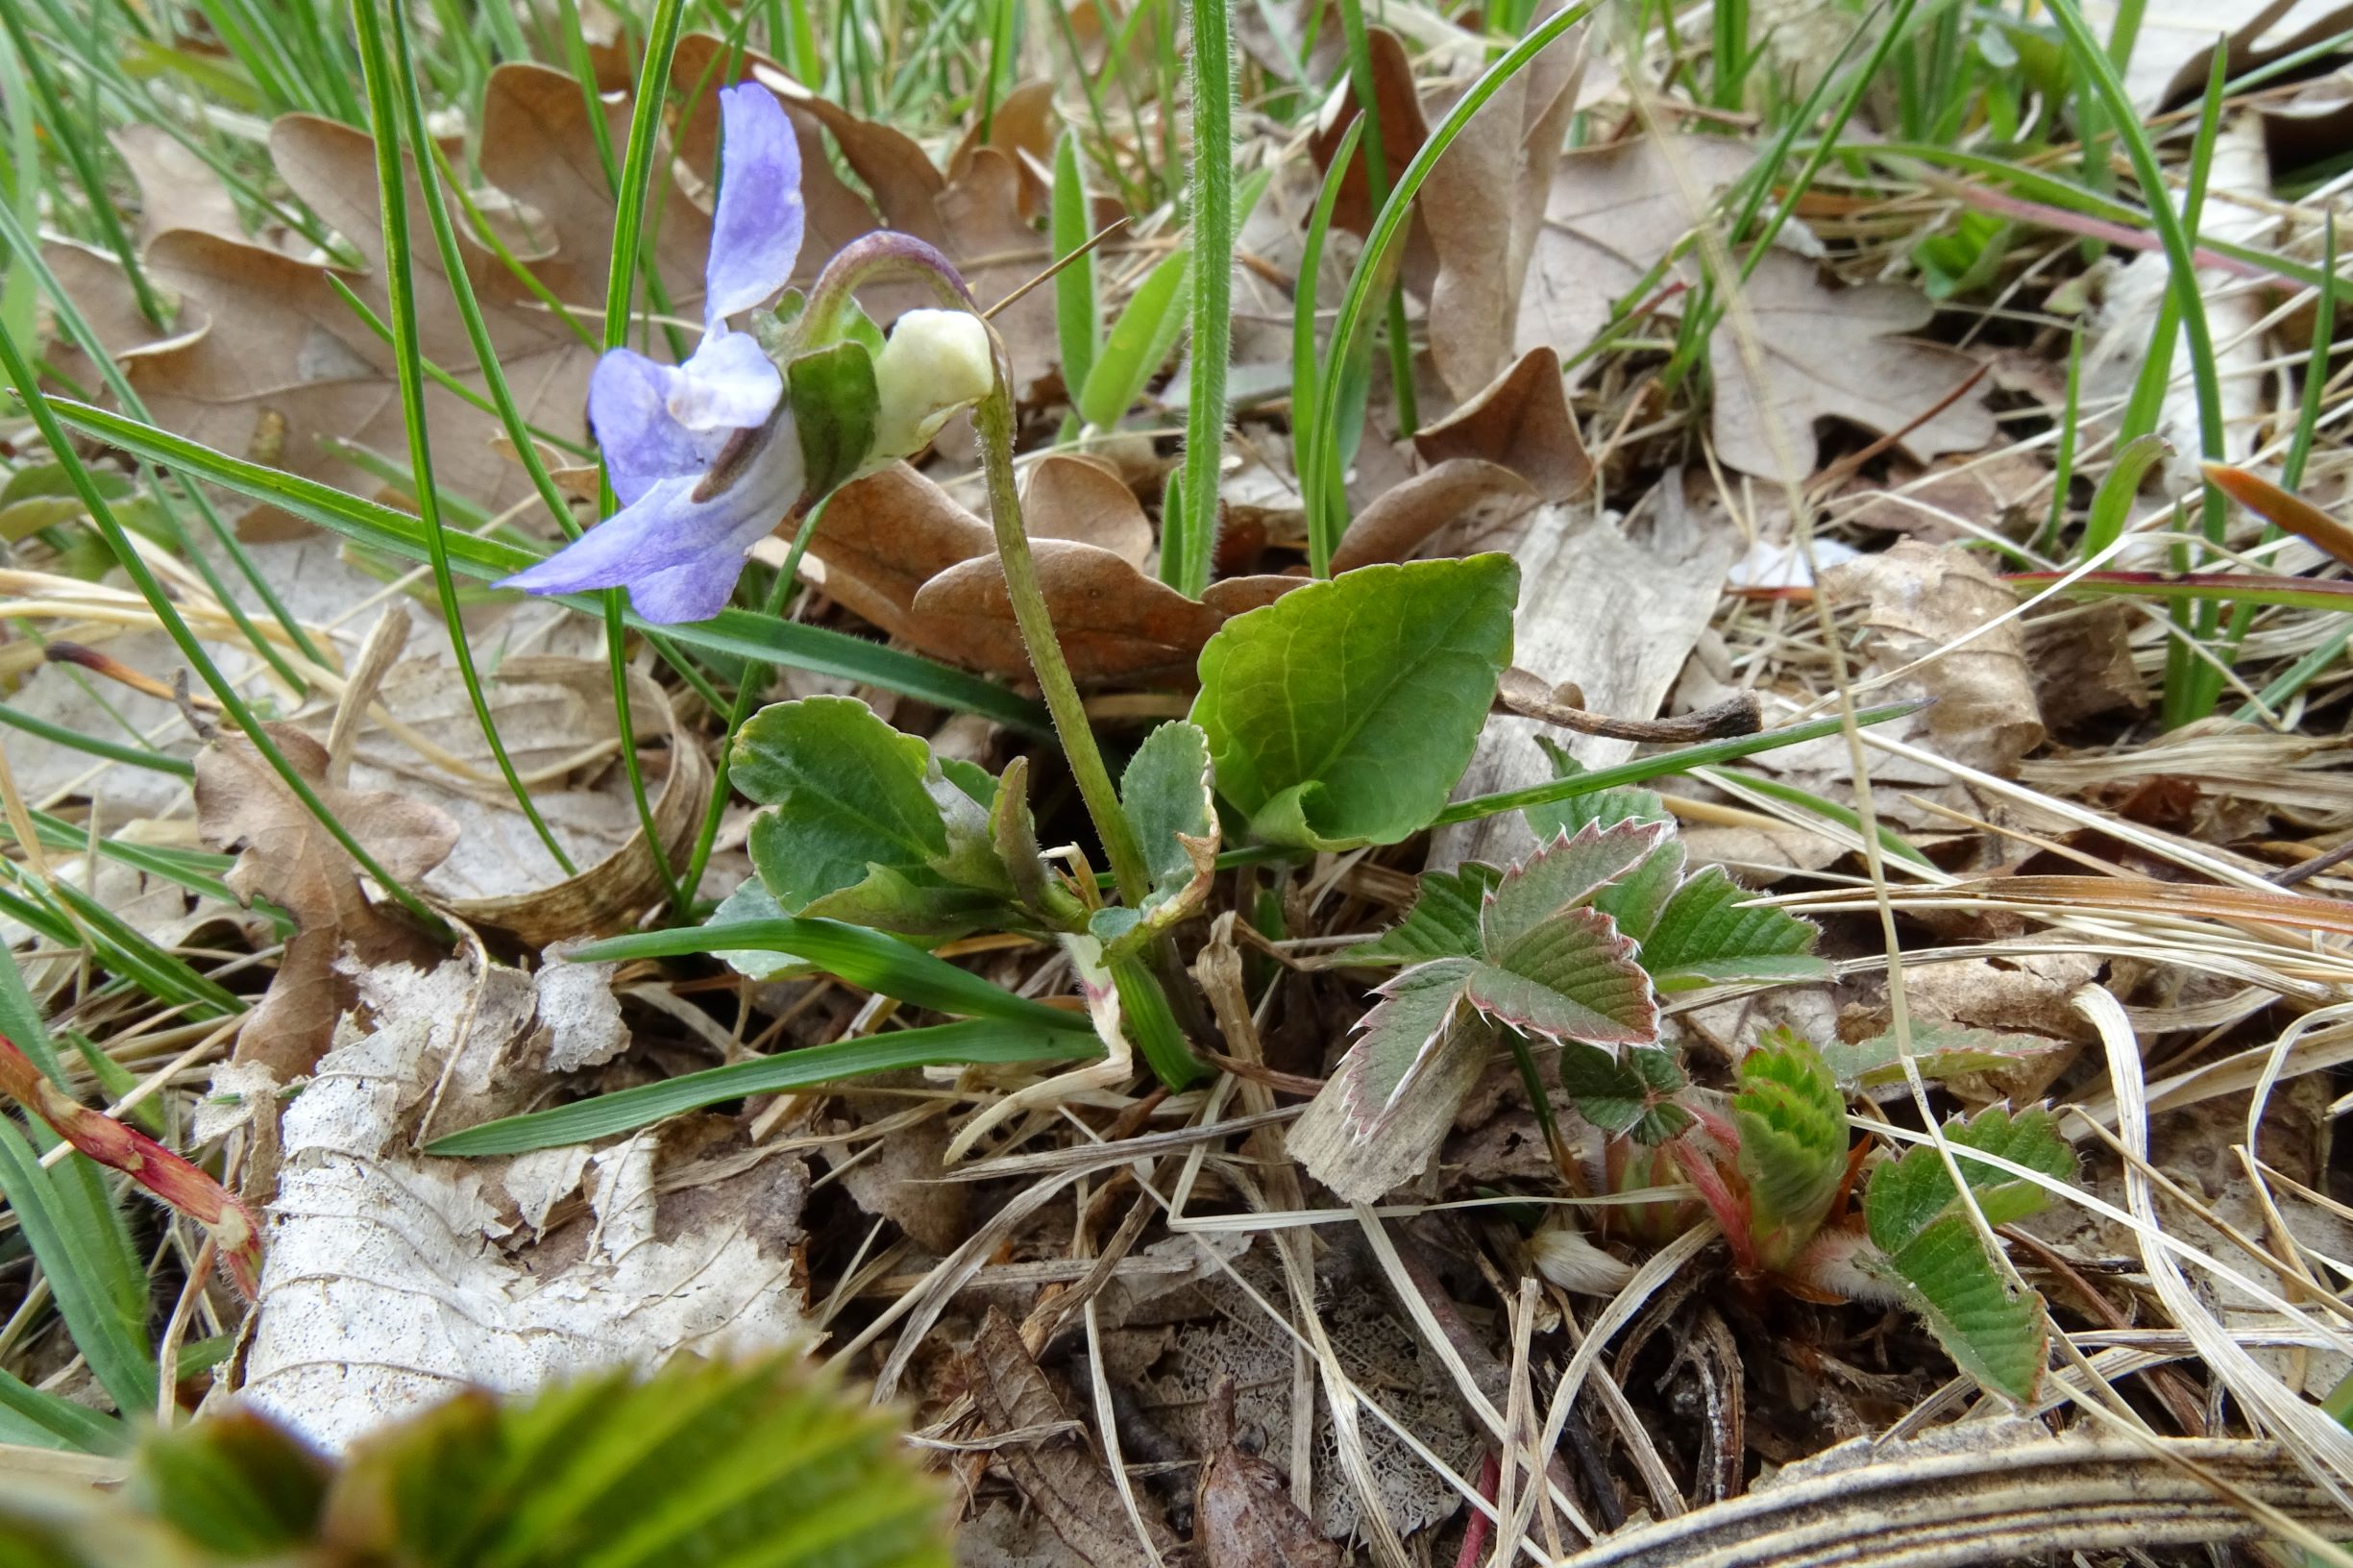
[[81, 1262], [1138, 341], [974, 1041], [1078, 315], [38, 1420], [865, 958], [2112, 501], [1188, 546], [1319, 492], [92, 746], [385, 98], [1388, 230]]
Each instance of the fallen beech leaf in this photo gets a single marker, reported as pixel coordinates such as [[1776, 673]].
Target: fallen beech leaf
[[289, 858], [1484, 202], [1022, 128], [1921, 601], [888, 534], [394, 1278], [1235, 596], [1055, 1467], [1078, 498], [1114, 623], [177, 188], [1462, 490], [1519, 421], [1829, 352], [1613, 214]]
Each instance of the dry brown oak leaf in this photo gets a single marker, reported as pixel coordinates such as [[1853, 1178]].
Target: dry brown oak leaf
[[268, 363]]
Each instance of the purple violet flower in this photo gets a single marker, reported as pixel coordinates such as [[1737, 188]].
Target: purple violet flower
[[703, 456]]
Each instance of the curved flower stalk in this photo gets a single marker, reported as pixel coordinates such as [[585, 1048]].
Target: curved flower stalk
[[708, 456]]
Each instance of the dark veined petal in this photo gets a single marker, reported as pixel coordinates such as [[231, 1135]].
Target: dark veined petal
[[679, 557], [755, 234], [729, 384], [628, 406]]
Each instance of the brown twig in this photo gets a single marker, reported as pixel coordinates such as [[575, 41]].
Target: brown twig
[[1526, 693]]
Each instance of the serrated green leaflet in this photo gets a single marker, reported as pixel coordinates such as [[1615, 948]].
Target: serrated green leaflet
[[1562, 875], [1792, 1142], [1343, 713], [1572, 978], [1442, 923], [1625, 1094], [1939, 1053], [1909, 1194], [737, 634], [1991, 1332], [861, 957], [980, 1040], [1704, 938]]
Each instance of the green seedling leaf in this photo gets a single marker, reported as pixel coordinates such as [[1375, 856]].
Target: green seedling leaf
[[834, 406], [1166, 798], [1572, 978], [1625, 1095], [42, 496], [1792, 1121], [1442, 923], [1563, 876], [1343, 713], [1138, 343], [863, 824], [1704, 938], [1381, 1115], [1078, 321], [1940, 1053], [1938, 1259]]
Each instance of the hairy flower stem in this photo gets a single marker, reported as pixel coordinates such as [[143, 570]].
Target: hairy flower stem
[[993, 419]]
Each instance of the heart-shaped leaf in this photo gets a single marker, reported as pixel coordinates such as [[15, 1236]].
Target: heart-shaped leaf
[[1343, 713]]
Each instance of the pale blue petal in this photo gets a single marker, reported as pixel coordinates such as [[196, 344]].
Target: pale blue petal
[[628, 406], [729, 386], [755, 234]]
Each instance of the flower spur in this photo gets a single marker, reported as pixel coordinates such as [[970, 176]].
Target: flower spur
[[707, 456]]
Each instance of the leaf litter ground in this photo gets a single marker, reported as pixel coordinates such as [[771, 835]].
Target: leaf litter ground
[[1140, 1323]]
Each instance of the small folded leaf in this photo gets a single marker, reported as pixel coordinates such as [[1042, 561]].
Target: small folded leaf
[[1166, 798], [1792, 1142], [1012, 829], [1343, 713], [1625, 1095], [834, 404], [1992, 1331], [1563, 876], [1704, 938], [1574, 978], [1940, 1053], [1442, 923]]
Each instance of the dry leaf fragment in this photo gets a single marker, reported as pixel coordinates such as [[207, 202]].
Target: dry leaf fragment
[[1613, 214], [1243, 1516], [1484, 202], [1114, 623], [1921, 599], [177, 188], [1397, 98], [1060, 1474], [1477, 494], [888, 534], [1237, 596], [2174, 43], [1831, 353], [1520, 420], [1071, 496]]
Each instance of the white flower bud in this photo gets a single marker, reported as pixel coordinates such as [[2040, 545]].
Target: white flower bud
[[934, 364], [1564, 1257]]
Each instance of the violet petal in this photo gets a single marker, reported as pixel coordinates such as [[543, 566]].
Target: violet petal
[[628, 406], [728, 384], [755, 234]]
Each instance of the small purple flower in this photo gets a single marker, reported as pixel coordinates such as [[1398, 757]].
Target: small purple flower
[[703, 455]]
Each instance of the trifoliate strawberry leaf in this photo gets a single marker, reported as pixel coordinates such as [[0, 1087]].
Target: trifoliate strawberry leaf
[[1992, 1330], [1625, 1095], [1704, 937], [1572, 978], [1940, 1053], [1385, 1108], [1563, 876], [1442, 923], [1792, 1122]]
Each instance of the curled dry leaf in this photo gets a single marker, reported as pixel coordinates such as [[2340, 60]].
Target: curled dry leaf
[[1080, 498], [2174, 41], [1485, 204], [394, 1279], [1469, 491], [1114, 623], [1918, 601], [1520, 420], [888, 534], [1831, 352]]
